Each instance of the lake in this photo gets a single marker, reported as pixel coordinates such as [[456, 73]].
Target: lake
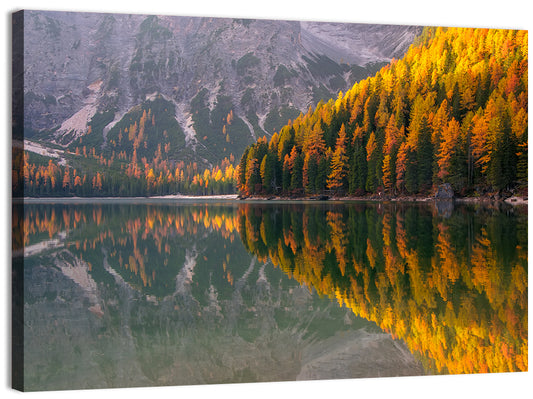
[[124, 293]]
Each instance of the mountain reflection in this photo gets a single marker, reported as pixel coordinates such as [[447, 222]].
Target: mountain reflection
[[140, 241], [166, 278], [455, 288]]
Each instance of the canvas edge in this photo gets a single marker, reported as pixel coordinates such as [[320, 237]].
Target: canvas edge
[[17, 262]]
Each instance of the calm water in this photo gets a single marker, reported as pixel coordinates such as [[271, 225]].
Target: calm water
[[141, 294]]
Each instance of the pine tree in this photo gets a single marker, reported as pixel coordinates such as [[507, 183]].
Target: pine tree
[[388, 175], [268, 173], [448, 145], [502, 168], [358, 164], [425, 158], [297, 172], [521, 166], [286, 174], [321, 174], [310, 170], [339, 164], [241, 180]]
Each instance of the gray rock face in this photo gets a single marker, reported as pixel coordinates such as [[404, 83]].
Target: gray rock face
[[444, 192], [358, 44], [78, 330], [79, 64]]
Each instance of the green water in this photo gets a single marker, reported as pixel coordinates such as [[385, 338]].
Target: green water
[[146, 293]]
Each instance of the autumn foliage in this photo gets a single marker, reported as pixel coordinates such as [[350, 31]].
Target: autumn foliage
[[454, 291], [121, 176], [453, 110], [453, 288], [141, 243]]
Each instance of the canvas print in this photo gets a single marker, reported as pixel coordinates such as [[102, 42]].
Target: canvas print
[[206, 200]]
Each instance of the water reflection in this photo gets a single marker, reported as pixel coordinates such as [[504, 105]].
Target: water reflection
[[454, 288], [140, 295], [125, 294], [137, 241]]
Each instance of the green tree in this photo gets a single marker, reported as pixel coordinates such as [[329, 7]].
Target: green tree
[[268, 172], [425, 157], [297, 172], [321, 175], [358, 165]]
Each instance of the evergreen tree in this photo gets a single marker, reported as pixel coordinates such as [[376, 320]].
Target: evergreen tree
[[310, 173], [502, 168], [297, 173], [321, 175], [358, 167], [286, 175], [268, 173], [425, 157]]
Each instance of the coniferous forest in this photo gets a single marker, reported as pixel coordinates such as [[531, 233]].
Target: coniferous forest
[[452, 110]]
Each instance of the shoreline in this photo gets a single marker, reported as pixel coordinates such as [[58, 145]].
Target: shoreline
[[514, 200], [511, 200], [22, 200]]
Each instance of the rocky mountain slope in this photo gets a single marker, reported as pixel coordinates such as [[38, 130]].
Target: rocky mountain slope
[[220, 83]]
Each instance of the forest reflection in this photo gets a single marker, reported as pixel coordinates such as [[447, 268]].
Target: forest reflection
[[145, 244], [453, 287]]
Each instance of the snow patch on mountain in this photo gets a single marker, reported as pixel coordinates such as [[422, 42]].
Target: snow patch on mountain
[[184, 118], [78, 123]]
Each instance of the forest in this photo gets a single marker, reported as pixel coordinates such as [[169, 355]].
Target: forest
[[453, 110], [145, 155], [145, 244], [118, 176]]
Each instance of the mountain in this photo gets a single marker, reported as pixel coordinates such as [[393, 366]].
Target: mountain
[[211, 86]]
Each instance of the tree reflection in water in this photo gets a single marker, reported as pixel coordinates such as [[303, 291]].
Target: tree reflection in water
[[452, 285], [454, 288]]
